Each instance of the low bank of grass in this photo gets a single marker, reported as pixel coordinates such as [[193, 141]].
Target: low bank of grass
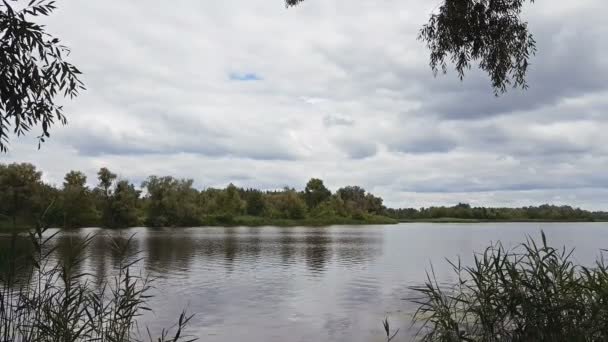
[[257, 221], [465, 220]]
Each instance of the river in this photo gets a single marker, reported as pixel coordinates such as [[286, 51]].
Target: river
[[309, 284]]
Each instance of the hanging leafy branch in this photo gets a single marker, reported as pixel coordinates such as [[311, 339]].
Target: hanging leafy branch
[[488, 31], [33, 72]]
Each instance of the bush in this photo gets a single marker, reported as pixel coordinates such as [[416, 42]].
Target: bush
[[45, 301], [531, 293]]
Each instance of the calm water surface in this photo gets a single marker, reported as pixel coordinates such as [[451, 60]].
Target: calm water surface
[[309, 284]]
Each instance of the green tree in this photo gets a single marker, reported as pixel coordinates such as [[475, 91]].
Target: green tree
[[488, 31], [105, 190], [106, 180], [374, 205], [315, 193], [255, 203], [77, 202], [230, 202], [20, 192], [353, 197], [171, 202], [332, 207], [33, 71], [208, 201], [286, 204], [124, 206]]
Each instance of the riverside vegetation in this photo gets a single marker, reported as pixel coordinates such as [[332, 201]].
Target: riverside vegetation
[[46, 300], [167, 201], [534, 292]]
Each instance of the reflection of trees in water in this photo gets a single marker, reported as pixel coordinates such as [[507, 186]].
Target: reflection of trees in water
[[230, 248], [15, 261], [252, 244], [108, 249], [167, 251], [318, 250], [98, 256], [69, 250], [355, 248], [287, 242]]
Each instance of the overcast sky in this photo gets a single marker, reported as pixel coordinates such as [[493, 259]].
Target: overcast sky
[[252, 93]]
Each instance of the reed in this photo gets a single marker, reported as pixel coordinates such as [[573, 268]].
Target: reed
[[533, 292], [46, 300]]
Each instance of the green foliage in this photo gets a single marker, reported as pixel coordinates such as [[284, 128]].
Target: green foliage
[[464, 212], [287, 204], [491, 32], [315, 193], [255, 203], [77, 201], [532, 293], [20, 191], [104, 192], [357, 201], [124, 206], [230, 202], [33, 71], [488, 31], [106, 180], [168, 202], [48, 300]]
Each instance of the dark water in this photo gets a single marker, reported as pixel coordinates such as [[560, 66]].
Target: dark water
[[308, 284]]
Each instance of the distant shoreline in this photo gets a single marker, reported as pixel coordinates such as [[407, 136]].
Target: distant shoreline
[[255, 221], [459, 220]]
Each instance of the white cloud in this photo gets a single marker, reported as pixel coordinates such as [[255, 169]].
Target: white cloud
[[344, 93]]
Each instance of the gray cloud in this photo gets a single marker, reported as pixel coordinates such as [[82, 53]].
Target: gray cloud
[[336, 120], [172, 89]]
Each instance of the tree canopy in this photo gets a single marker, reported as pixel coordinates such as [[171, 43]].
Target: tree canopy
[[33, 71], [169, 201], [489, 32]]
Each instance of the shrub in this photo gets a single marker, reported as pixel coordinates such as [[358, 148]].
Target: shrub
[[533, 292], [45, 301]]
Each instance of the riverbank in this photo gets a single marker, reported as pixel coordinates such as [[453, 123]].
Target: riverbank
[[461, 220], [257, 221]]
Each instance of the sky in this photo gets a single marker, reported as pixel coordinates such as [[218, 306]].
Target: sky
[[252, 93]]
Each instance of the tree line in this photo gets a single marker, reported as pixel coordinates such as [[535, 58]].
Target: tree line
[[464, 211], [163, 201]]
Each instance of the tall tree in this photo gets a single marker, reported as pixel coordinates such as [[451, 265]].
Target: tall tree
[[104, 190], [490, 32], [78, 207], [124, 206], [315, 193], [106, 180], [171, 201], [33, 71], [354, 195], [255, 203], [20, 189], [230, 201]]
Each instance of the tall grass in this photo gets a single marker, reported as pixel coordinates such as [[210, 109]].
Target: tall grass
[[46, 300], [533, 292]]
